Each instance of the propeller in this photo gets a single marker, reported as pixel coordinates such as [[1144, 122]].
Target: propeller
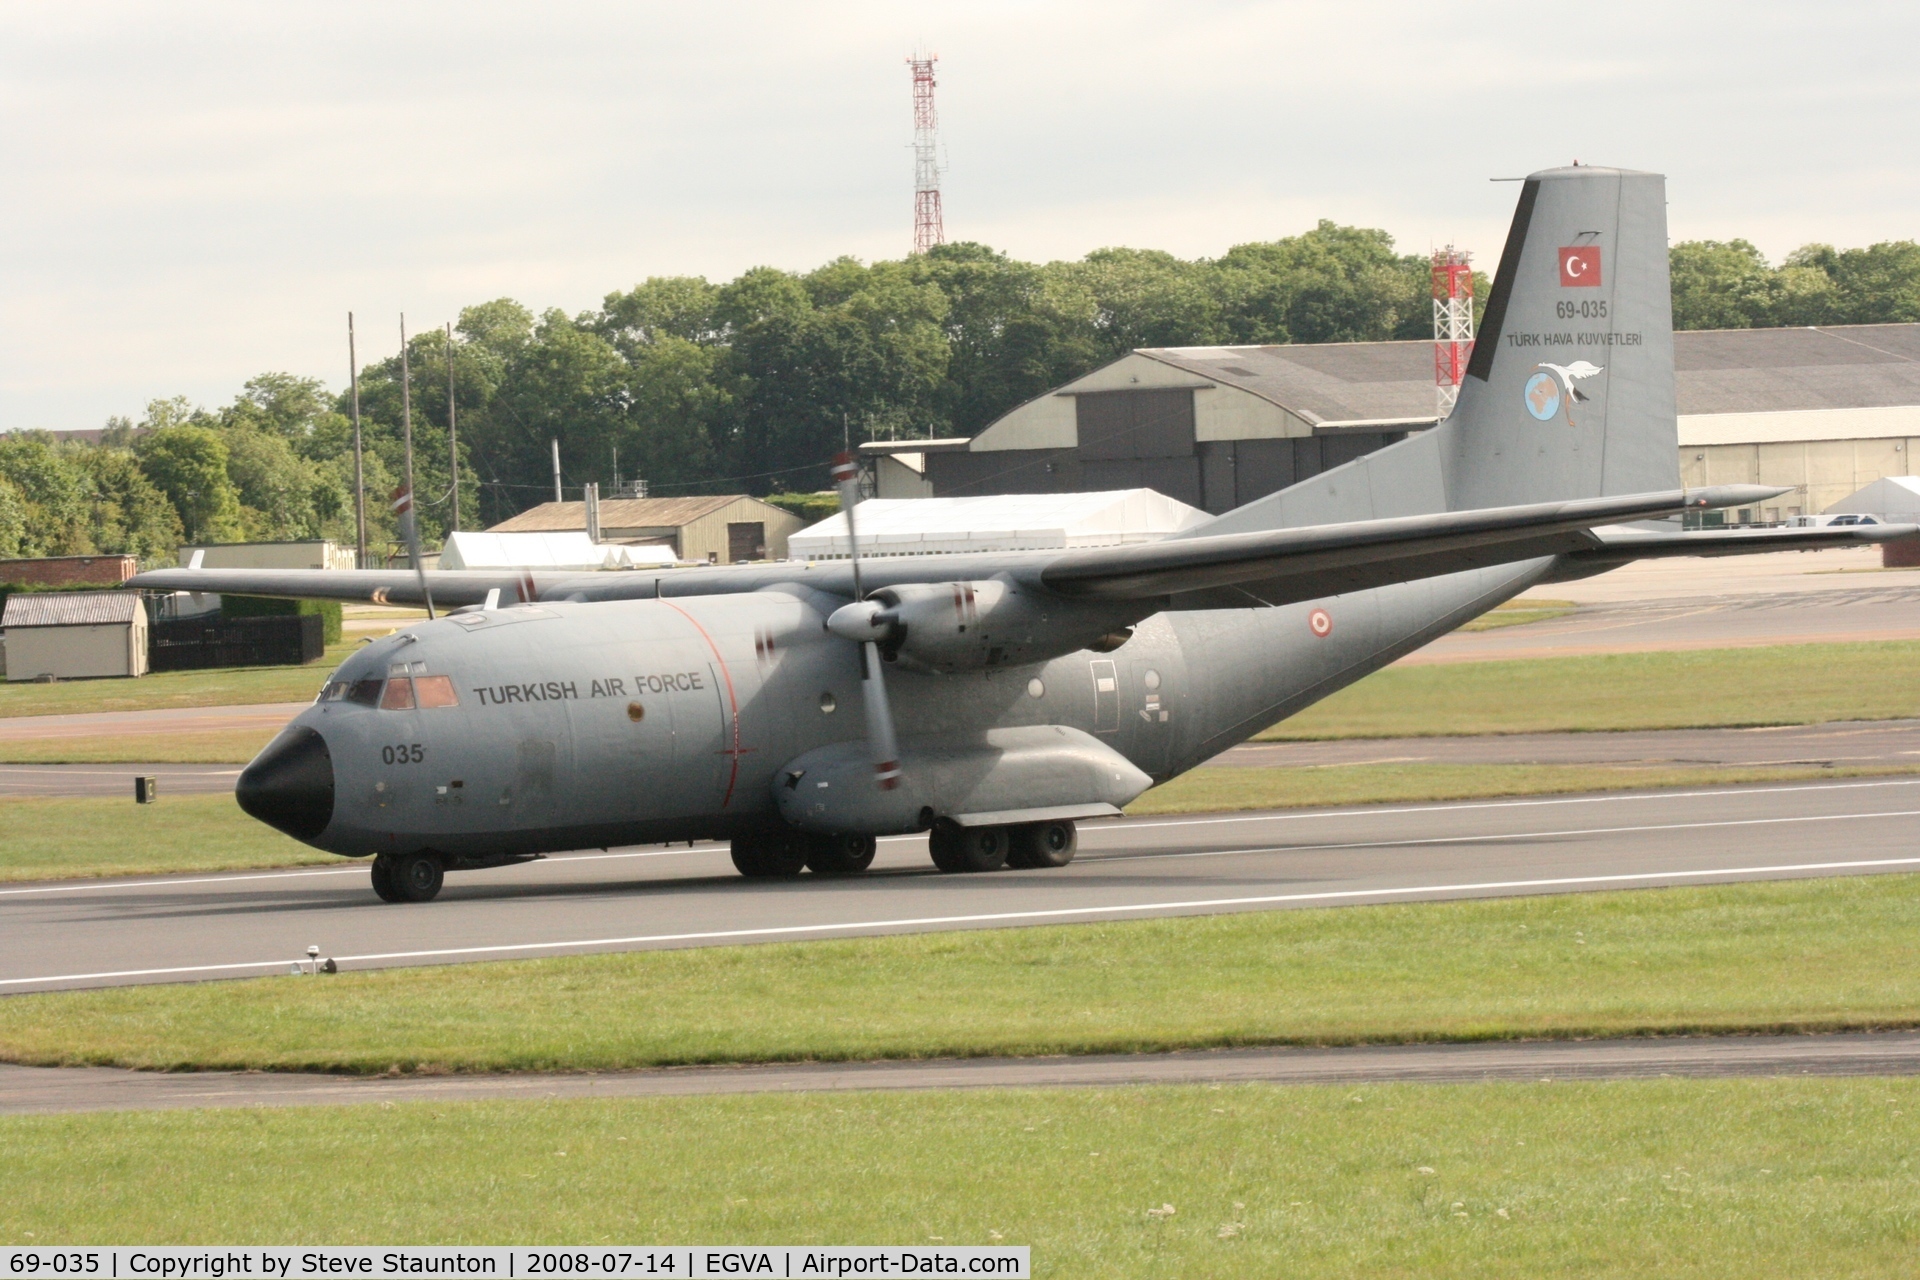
[[403, 507], [859, 622]]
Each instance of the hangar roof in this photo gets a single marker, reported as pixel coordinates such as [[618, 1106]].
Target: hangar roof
[[70, 608], [619, 513], [1716, 370]]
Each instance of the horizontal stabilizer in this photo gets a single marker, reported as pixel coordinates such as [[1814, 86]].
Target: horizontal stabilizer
[[1278, 565], [1621, 546]]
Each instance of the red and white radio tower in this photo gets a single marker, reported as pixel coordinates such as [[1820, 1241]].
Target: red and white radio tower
[[1452, 323], [927, 231]]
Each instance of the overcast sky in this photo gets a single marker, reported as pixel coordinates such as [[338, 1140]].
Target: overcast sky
[[198, 191]]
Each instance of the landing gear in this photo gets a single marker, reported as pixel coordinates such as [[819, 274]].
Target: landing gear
[[956, 848], [408, 877], [770, 855], [1037, 845], [383, 879], [841, 855]]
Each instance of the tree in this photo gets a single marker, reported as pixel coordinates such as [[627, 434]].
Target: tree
[[1720, 284], [128, 514], [13, 520], [53, 493], [189, 465]]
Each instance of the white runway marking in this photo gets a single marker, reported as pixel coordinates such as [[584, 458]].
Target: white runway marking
[[999, 917]]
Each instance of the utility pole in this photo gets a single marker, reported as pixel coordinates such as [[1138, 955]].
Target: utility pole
[[406, 401], [453, 433], [359, 471], [556, 471]]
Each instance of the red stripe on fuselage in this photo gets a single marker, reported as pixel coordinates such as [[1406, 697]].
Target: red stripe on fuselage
[[733, 701]]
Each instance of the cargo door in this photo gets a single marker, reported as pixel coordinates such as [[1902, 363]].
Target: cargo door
[[1106, 696]]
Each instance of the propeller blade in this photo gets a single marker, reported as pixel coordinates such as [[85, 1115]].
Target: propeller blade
[[873, 693], [859, 622], [403, 505]]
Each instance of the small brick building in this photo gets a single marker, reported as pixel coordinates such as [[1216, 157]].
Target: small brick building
[[68, 571]]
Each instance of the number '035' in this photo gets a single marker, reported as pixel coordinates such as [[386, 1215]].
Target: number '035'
[[403, 753]]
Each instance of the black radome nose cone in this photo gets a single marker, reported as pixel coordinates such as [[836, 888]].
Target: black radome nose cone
[[290, 785]]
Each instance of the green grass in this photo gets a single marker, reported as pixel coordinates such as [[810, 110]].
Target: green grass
[[215, 746], [1794, 955], [1779, 684], [1517, 613], [61, 838], [1228, 787], [225, 686], [1733, 1178]]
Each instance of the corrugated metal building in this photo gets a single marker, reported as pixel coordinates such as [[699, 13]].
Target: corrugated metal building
[[75, 635], [1824, 410], [720, 529]]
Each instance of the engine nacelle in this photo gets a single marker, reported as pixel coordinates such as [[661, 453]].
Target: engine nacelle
[[964, 626]]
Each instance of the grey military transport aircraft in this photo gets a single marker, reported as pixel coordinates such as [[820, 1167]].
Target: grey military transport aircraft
[[1030, 689]]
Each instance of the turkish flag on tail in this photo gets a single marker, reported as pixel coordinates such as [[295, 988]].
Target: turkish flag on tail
[[1580, 267]]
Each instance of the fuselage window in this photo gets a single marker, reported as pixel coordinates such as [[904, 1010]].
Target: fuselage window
[[399, 695], [435, 691]]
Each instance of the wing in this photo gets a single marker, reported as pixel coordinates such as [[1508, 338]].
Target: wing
[[451, 587], [1239, 570]]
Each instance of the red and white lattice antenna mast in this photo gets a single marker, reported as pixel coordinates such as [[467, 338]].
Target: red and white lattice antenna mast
[[1452, 324], [927, 230]]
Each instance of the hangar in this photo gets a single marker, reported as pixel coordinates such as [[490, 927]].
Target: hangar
[[720, 528], [1826, 411]]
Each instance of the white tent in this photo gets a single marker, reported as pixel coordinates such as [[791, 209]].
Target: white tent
[[1001, 522], [546, 551], [1896, 496]]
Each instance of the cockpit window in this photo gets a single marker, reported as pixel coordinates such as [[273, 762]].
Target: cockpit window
[[435, 691], [399, 695], [364, 692]]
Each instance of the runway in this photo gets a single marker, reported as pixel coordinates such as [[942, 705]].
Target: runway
[[195, 927], [50, 1090]]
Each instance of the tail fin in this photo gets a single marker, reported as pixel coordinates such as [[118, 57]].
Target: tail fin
[[1570, 390], [1569, 393]]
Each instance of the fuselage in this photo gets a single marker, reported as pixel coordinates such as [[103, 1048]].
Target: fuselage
[[555, 726]]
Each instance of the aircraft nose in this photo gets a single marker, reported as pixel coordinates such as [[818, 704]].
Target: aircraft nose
[[289, 786]]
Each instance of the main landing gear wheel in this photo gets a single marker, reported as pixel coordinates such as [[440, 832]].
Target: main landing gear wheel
[[770, 855], [408, 877], [1038, 845], [383, 885], [956, 848], [840, 855]]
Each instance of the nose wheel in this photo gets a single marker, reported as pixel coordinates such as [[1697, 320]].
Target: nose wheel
[[408, 877]]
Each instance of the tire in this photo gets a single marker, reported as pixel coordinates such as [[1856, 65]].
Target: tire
[[840, 855], [958, 849], [416, 876], [383, 886], [1040, 845], [769, 855]]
